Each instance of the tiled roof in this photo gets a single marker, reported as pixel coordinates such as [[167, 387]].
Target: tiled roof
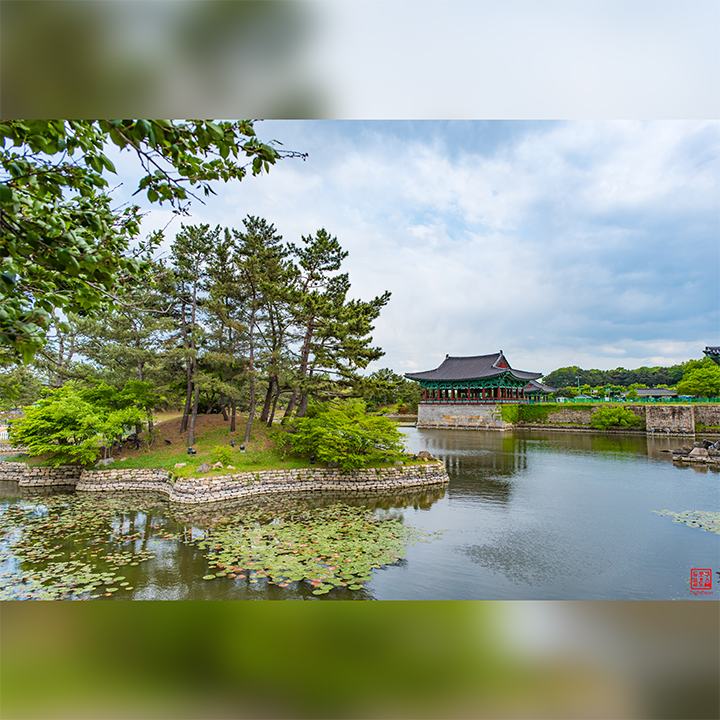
[[656, 392], [472, 368], [535, 386]]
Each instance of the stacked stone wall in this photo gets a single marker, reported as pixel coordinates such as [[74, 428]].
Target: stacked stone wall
[[670, 418], [12, 471], [42, 476], [247, 484], [707, 415], [7, 449], [573, 415], [466, 417]]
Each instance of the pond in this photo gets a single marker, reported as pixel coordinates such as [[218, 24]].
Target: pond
[[528, 515]]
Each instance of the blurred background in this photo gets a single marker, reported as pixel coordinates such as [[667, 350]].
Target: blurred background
[[359, 660], [360, 58]]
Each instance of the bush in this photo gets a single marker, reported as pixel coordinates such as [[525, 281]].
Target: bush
[[536, 412], [71, 423], [510, 413], [608, 416], [346, 435], [223, 454]]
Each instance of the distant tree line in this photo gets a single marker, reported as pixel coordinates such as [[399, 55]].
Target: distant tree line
[[650, 376], [700, 378]]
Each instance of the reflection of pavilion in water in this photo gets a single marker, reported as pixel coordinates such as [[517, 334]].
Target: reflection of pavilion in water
[[480, 464]]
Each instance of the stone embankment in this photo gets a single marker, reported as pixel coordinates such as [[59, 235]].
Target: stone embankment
[[657, 419], [318, 481], [461, 417], [40, 476]]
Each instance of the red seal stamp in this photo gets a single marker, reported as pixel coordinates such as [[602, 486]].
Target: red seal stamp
[[700, 579]]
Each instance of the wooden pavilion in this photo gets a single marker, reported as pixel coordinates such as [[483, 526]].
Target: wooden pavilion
[[713, 353], [476, 380]]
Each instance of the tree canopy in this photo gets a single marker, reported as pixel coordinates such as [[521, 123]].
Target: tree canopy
[[343, 434], [71, 423], [701, 381], [62, 244]]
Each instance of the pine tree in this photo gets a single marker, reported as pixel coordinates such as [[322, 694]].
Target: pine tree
[[190, 253]]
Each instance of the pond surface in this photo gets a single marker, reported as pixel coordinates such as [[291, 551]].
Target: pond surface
[[528, 515]]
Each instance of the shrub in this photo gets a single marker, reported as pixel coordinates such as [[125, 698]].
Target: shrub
[[536, 412], [223, 454], [71, 423], [609, 416], [346, 435], [510, 413]]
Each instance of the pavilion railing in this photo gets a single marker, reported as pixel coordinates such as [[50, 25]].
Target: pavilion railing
[[476, 401]]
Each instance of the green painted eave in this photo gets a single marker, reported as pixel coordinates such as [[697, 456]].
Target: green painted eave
[[506, 380]]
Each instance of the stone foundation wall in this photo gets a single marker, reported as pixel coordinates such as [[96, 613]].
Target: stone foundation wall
[[707, 414], [473, 417], [670, 418], [247, 484], [576, 415]]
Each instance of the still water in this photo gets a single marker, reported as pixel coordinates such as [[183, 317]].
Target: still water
[[527, 516]]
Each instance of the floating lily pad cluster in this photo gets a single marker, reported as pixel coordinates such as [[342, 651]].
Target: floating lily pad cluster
[[331, 547], [700, 519], [73, 547], [69, 547]]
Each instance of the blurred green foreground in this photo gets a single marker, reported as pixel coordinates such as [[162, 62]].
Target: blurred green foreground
[[347, 660]]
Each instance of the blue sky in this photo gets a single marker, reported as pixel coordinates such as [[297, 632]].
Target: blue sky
[[591, 243]]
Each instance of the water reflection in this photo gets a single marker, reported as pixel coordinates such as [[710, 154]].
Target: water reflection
[[524, 557]]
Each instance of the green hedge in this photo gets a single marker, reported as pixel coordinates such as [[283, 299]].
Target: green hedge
[[509, 413], [537, 413]]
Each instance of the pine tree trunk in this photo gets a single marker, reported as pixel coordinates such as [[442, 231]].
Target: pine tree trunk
[[232, 415], [304, 362], [188, 373], [251, 368], [274, 405], [268, 398], [302, 409], [196, 402], [193, 418], [188, 399], [291, 404]]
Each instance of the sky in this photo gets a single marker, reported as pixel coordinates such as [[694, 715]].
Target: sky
[[578, 242]]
